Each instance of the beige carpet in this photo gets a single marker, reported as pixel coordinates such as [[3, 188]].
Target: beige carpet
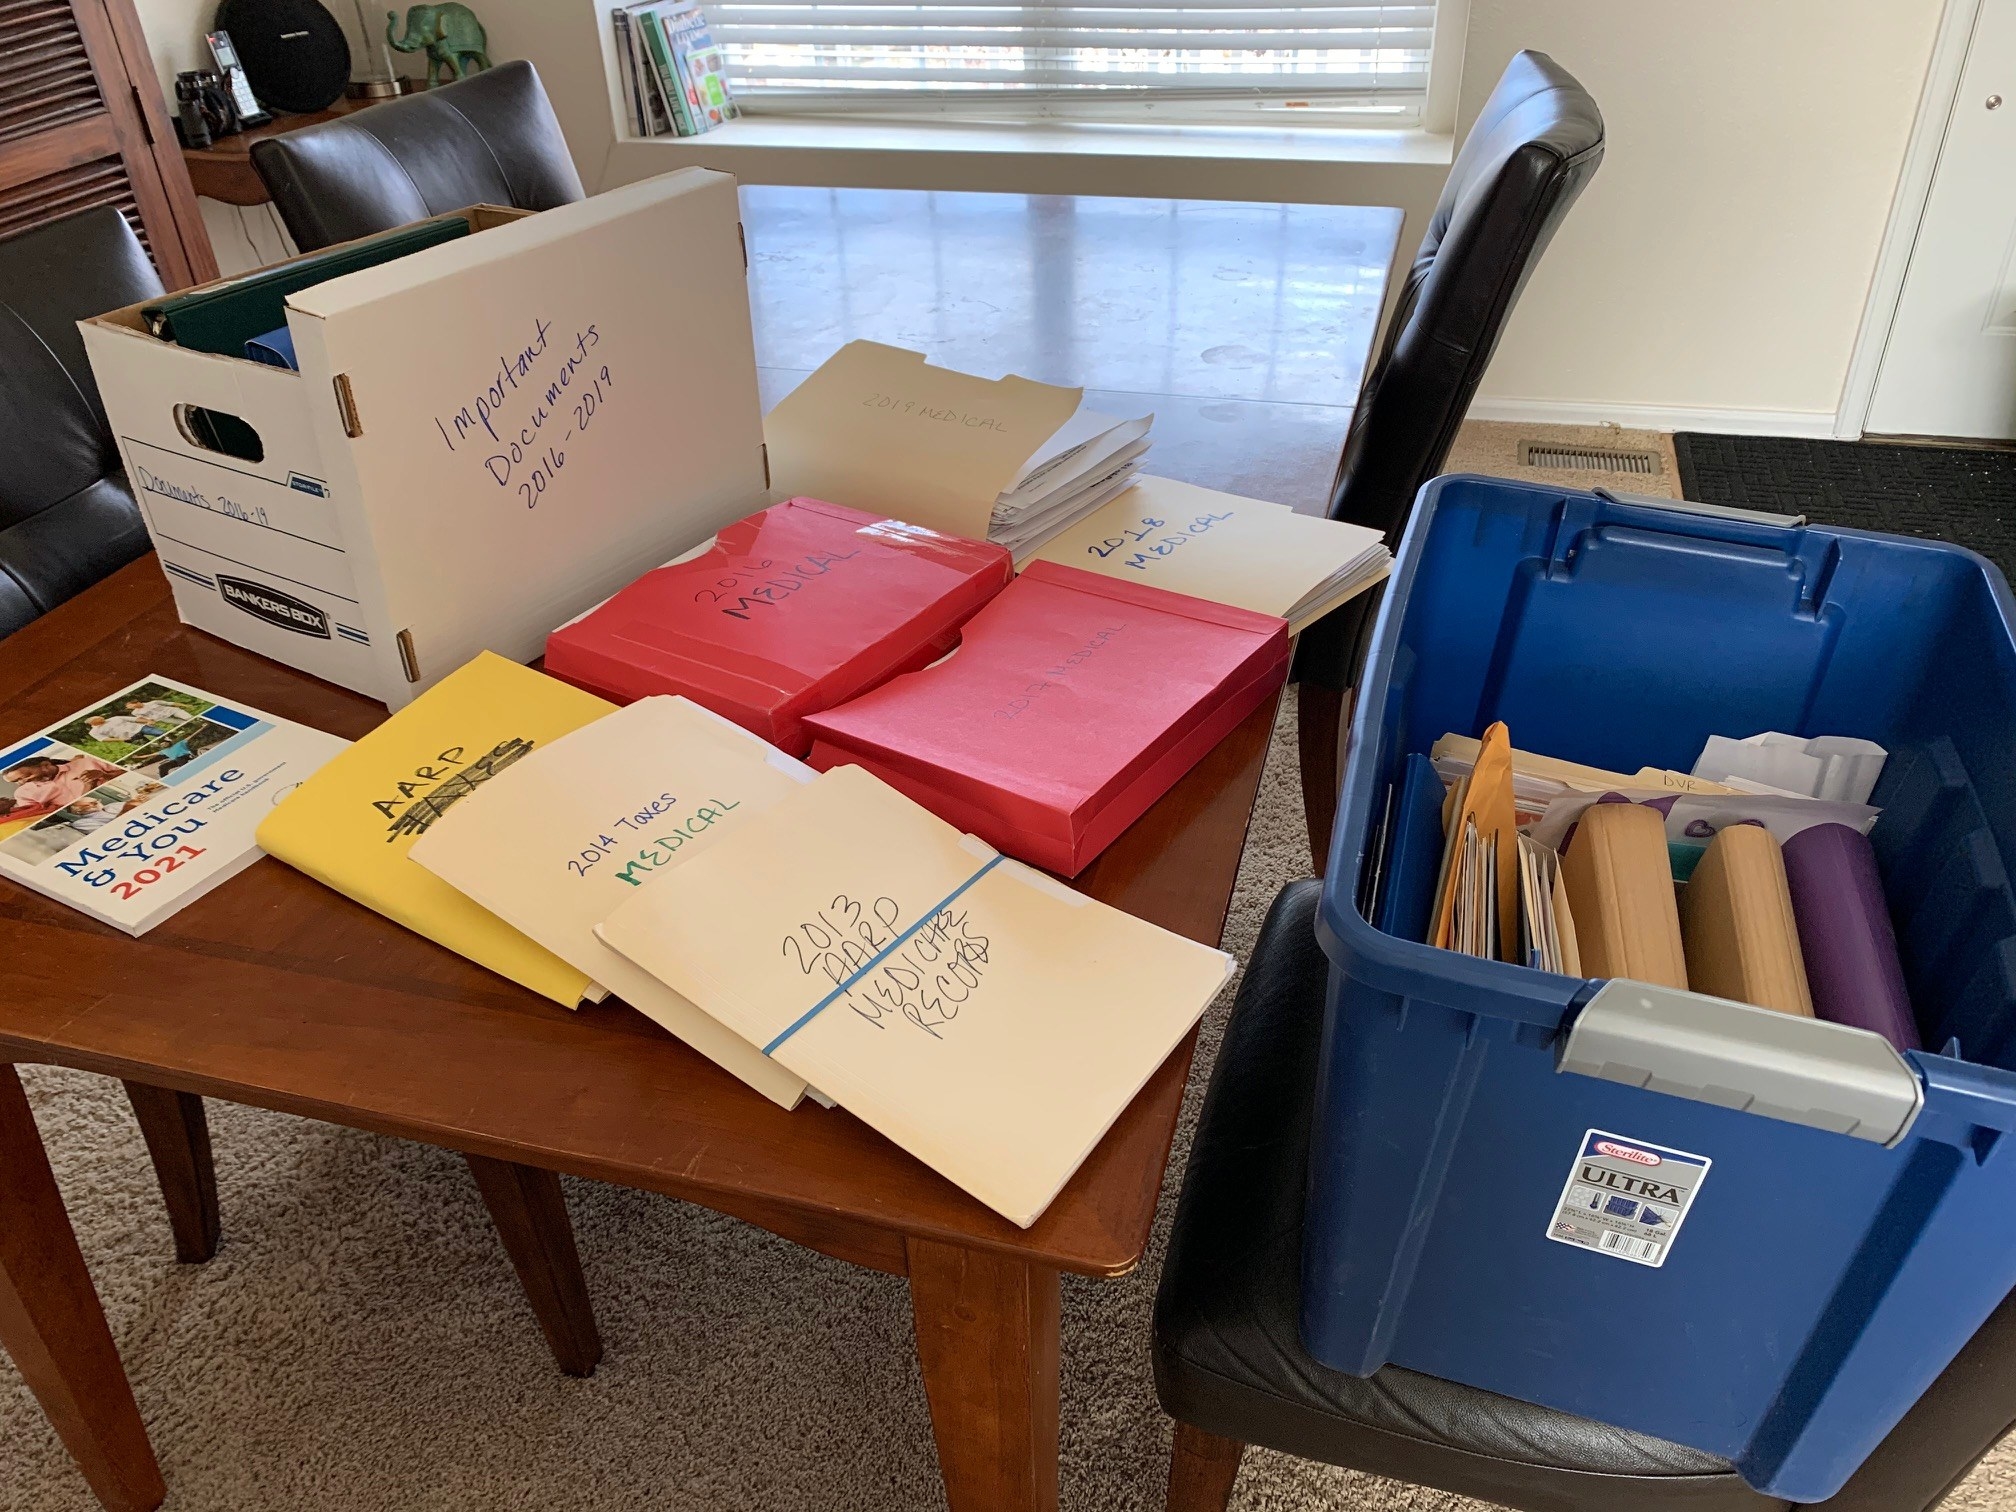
[[359, 1341]]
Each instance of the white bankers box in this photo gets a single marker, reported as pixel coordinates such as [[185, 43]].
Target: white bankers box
[[485, 437]]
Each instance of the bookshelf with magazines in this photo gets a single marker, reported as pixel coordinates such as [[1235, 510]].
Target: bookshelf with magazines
[[674, 77]]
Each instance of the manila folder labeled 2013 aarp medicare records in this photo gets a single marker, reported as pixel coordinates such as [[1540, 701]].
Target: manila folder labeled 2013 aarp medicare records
[[981, 1015]]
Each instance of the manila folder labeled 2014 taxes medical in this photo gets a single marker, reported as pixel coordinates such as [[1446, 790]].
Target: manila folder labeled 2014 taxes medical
[[558, 841]]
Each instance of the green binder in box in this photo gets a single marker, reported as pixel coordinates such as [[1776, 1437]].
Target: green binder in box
[[222, 317]]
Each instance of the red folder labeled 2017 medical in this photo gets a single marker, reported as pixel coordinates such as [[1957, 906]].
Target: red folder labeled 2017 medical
[[799, 607], [1073, 702]]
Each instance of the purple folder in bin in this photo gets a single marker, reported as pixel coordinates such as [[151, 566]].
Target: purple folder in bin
[[1845, 933]]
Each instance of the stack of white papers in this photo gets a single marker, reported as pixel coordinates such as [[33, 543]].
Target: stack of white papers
[[1546, 924], [1838, 768], [1010, 460], [1091, 459], [1474, 918]]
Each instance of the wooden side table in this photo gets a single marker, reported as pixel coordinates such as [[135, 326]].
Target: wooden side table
[[224, 171]]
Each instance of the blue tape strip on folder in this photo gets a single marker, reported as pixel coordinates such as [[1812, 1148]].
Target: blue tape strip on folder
[[876, 959]]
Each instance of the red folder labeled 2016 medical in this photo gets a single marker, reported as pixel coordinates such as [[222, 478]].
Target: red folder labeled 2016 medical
[[1073, 702], [797, 608]]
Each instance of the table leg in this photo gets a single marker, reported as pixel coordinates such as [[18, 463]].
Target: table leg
[[1202, 1469], [530, 1212], [987, 1336], [53, 1327], [178, 1139]]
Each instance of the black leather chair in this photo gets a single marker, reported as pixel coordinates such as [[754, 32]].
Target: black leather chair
[[67, 517], [1531, 152], [489, 139], [1230, 1367]]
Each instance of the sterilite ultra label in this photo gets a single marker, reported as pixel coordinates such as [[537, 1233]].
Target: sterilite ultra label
[[1626, 1198]]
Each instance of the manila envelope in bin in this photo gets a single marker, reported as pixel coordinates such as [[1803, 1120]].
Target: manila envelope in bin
[[1736, 924], [1073, 702], [1485, 801], [797, 608], [1619, 883]]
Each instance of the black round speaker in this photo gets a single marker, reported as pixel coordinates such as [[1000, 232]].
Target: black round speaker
[[296, 57]]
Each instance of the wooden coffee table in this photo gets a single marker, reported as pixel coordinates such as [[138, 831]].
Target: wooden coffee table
[[274, 991]]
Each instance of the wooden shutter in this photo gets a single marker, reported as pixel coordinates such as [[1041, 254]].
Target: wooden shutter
[[82, 123]]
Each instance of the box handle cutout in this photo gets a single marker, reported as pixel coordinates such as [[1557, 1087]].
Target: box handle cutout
[[346, 406], [217, 431]]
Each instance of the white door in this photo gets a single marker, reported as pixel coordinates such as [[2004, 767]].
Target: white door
[[1949, 368]]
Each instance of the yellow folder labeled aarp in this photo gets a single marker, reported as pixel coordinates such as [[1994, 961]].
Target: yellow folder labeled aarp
[[1736, 919], [351, 825]]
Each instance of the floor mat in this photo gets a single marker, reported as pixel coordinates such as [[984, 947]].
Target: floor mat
[[1948, 493]]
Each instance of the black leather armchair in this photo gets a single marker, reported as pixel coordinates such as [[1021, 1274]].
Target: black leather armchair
[[67, 516], [1230, 1367], [489, 139], [1531, 152]]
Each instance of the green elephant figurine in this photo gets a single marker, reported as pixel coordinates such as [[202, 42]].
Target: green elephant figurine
[[452, 36]]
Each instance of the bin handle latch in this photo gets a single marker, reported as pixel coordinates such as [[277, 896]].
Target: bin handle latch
[[1755, 1060], [1712, 511]]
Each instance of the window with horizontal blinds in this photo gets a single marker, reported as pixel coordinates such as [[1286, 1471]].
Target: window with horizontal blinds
[[786, 52]]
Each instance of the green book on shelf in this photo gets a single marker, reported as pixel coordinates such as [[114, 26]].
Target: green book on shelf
[[667, 70]]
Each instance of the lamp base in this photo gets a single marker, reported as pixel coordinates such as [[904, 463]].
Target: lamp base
[[371, 89]]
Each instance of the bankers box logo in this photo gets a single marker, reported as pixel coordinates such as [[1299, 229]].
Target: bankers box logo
[[274, 607]]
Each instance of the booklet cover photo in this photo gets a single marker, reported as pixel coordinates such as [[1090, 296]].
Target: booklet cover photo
[[137, 805]]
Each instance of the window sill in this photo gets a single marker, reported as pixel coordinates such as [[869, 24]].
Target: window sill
[[1307, 164]]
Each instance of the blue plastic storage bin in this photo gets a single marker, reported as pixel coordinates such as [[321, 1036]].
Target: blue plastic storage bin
[[1835, 1255]]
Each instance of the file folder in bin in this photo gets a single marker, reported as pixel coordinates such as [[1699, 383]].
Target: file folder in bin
[[1757, 1235]]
